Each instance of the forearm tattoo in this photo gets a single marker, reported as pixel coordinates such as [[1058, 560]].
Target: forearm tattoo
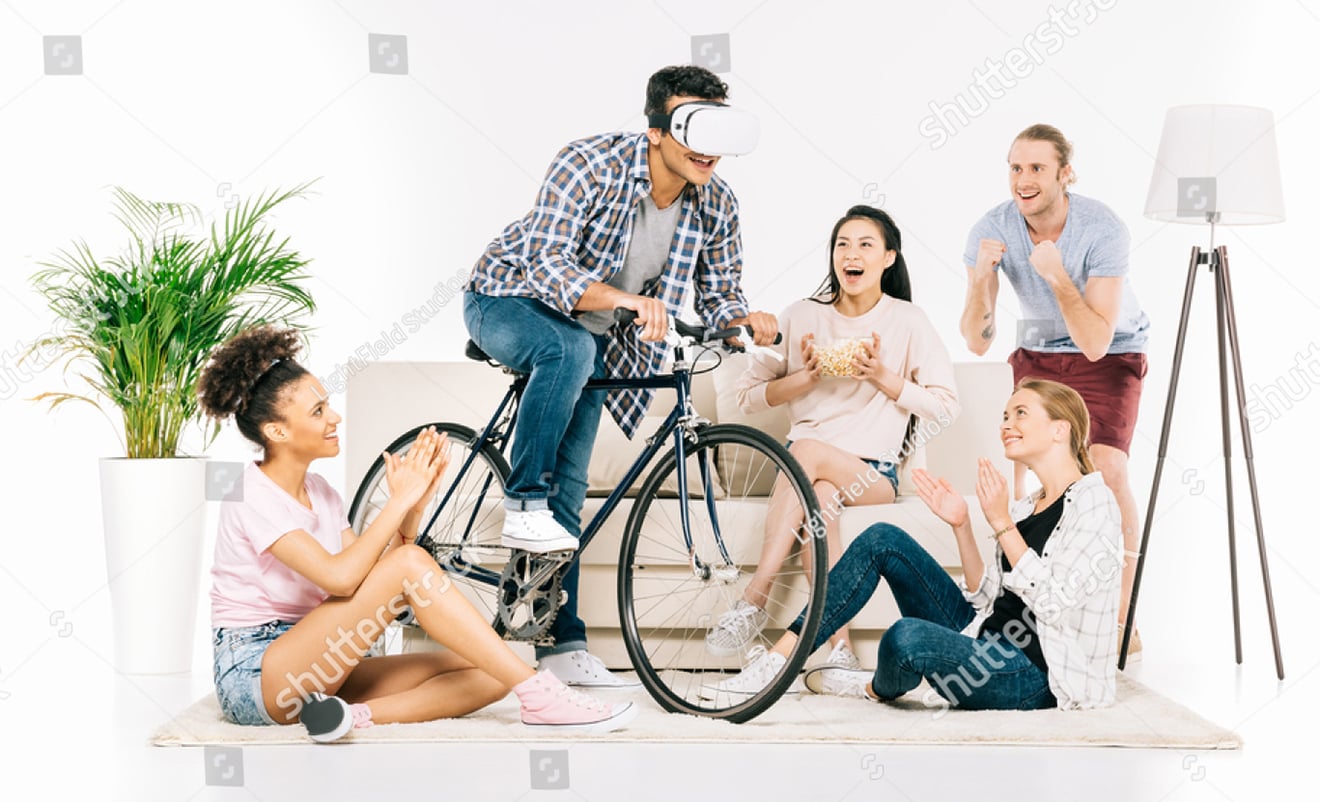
[[988, 333]]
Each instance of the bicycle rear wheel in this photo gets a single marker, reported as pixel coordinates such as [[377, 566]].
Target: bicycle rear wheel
[[675, 581], [465, 536]]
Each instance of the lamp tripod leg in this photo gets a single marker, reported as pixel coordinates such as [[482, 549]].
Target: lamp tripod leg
[[1248, 453], [1164, 450], [1221, 327]]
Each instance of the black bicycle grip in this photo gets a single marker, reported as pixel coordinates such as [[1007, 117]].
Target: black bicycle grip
[[624, 317]]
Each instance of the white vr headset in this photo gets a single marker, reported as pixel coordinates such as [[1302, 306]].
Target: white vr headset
[[710, 128]]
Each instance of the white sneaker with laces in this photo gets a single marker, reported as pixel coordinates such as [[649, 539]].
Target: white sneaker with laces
[[583, 669], [841, 656], [762, 667], [847, 682], [535, 531], [736, 628]]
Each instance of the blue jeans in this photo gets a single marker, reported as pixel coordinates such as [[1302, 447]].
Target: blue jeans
[[557, 421], [988, 673]]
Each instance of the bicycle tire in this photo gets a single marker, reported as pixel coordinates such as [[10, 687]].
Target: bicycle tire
[[666, 605], [465, 537]]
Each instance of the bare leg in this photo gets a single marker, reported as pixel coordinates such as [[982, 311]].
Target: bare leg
[[1113, 466], [420, 687], [321, 651], [838, 479]]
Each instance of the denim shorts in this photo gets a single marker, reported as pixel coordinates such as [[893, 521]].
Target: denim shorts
[[238, 653], [885, 468]]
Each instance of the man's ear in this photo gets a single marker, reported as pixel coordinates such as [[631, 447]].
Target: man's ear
[[653, 136]]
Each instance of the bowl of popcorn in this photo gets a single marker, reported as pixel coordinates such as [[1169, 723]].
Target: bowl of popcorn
[[836, 359]]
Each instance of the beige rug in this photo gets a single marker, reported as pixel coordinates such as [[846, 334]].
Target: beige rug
[[1140, 718]]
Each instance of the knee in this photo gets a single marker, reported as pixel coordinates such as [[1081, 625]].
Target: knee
[[411, 561], [882, 537], [901, 641], [1112, 464], [569, 350], [809, 454]]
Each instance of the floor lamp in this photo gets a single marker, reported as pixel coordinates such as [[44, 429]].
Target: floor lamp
[[1217, 165]]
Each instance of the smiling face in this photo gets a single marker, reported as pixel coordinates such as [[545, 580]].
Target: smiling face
[[307, 428], [1035, 179], [1027, 430], [860, 258], [676, 160]]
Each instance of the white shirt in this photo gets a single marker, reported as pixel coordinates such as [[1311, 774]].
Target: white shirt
[[1072, 588]]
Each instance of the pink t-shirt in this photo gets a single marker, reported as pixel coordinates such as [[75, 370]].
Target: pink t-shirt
[[249, 585]]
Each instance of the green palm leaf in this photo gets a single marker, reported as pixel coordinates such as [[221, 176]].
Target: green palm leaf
[[143, 322]]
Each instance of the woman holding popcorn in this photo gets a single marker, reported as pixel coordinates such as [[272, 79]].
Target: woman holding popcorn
[[856, 363]]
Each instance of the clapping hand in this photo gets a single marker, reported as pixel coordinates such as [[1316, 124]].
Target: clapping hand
[[992, 492], [940, 496], [414, 477]]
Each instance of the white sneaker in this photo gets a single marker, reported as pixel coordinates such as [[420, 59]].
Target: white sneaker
[[841, 656], [846, 682], [762, 668], [736, 628], [536, 531], [584, 670]]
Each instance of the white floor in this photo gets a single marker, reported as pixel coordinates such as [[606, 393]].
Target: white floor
[[73, 728]]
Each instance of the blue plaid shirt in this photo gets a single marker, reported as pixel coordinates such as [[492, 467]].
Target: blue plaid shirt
[[578, 233]]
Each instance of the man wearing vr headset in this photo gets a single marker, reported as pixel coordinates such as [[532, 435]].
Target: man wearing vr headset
[[629, 221]]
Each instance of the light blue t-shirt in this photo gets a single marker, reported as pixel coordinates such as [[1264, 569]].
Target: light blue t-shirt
[[1094, 243]]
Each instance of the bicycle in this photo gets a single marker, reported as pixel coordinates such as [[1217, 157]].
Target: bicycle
[[677, 569]]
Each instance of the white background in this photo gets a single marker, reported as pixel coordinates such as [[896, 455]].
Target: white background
[[200, 101]]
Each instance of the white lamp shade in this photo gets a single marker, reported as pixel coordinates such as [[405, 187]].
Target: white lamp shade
[[1217, 159]]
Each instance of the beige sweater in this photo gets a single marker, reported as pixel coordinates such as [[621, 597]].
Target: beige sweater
[[851, 413]]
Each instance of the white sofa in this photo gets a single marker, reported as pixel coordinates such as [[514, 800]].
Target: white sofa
[[385, 399]]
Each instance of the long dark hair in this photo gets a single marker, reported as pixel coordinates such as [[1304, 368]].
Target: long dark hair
[[246, 376], [895, 280]]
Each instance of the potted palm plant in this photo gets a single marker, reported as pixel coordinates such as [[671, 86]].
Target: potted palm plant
[[137, 328]]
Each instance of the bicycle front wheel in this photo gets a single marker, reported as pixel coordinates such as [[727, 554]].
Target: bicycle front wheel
[[464, 538], [688, 557]]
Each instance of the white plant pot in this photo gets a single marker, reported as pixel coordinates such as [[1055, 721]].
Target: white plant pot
[[155, 522]]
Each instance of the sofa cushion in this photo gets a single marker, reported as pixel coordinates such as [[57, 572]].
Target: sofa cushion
[[613, 454]]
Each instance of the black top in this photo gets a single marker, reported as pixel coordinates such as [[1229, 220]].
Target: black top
[[1035, 530]]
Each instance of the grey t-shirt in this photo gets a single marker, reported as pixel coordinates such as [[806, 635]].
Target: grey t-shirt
[[1095, 242], [649, 245]]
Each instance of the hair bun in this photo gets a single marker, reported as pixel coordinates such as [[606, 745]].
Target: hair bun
[[236, 367]]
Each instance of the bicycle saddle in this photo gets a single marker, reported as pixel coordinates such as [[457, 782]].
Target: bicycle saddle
[[474, 352]]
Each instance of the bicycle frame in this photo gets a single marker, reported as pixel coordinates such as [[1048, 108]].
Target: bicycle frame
[[499, 428]]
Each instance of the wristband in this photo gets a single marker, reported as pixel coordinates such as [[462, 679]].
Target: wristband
[[996, 535]]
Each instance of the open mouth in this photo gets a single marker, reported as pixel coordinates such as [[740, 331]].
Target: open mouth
[[1011, 439], [1028, 195], [704, 162], [854, 272]]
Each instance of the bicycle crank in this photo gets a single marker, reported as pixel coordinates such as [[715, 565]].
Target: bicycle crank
[[531, 593]]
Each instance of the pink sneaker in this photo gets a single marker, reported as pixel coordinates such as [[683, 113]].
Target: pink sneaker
[[547, 702]]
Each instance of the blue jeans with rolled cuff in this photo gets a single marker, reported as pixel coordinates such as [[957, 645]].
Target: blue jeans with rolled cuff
[[557, 421]]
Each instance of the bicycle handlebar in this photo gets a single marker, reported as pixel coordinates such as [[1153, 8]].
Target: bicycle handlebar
[[699, 333]]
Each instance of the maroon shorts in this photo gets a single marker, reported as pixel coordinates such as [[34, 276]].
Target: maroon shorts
[[1110, 386]]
